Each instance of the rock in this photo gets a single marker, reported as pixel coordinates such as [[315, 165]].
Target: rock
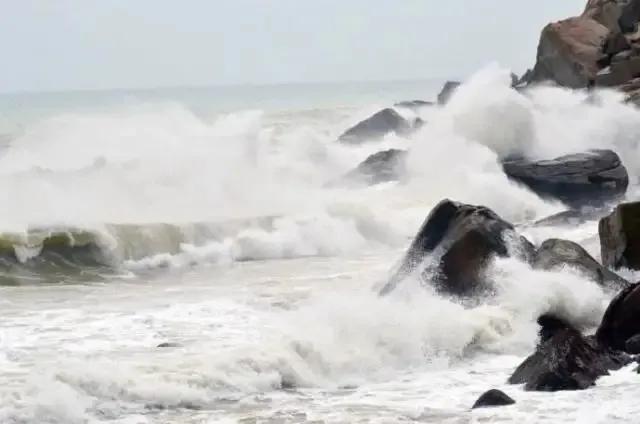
[[620, 237], [572, 217], [458, 240], [565, 360], [447, 91], [616, 15], [555, 253], [622, 56], [413, 104], [616, 43], [493, 398], [621, 320], [583, 179], [632, 345], [380, 167], [168, 345], [377, 126], [619, 73], [569, 51]]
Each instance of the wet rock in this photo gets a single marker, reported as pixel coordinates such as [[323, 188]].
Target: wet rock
[[572, 217], [493, 398], [565, 359], [384, 166], [457, 241], [621, 320], [619, 72], [569, 51], [166, 345], [620, 237], [413, 104], [376, 127], [447, 91], [632, 345], [583, 179], [556, 253]]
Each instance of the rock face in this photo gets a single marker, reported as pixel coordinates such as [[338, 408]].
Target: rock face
[[590, 178], [569, 52], [565, 360], [620, 237], [621, 321], [384, 166], [458, 240], [493, 398], [377, 126], [447, 91], [555, 253]]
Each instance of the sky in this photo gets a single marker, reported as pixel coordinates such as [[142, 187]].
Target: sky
[[101, 44]]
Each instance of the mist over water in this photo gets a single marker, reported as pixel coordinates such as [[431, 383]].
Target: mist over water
[[224, 238]]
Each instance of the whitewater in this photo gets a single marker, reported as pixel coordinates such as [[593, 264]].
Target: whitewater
[[209, 222]]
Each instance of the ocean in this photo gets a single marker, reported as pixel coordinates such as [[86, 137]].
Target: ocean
[[184, 257]]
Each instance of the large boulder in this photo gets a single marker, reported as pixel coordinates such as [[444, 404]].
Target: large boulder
[[380, 167], [447, 91], [590, 178], [620, 237], [556, 253], [565, 360], [621, 320], [492, 398], [569, 52], [457, 241], [376, 127]]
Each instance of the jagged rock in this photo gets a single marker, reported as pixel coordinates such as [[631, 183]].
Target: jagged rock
[[384, 166], [569, 52], [458, 240], [447, 91], [376, 127], [413, 104], [556, 253], [583, 179], [621, 320], [620, 237], [565, 360], [493, 397]]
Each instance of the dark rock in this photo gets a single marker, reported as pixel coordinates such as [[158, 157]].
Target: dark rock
[[525, 78], [591, 178], [384, 166], [616, 15], [555, 253], [619, 73], [616, 43], [620, 237], [414, 104], [459, 240], [493, 398], [569, 52], [377, 126], [447, 91], [565, 360], [621, 320], [622, 56], [168, 345], [572, 217], [632, 345]]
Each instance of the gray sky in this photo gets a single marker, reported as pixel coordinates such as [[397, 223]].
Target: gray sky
[[96, 44]]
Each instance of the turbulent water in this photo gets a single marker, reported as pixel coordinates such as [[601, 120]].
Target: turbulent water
[[202, 219]]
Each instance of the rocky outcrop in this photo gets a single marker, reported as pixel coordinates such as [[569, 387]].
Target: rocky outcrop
[[590, 178], [447, 91], [380, 167], [565, 359], [621, 320], [556, 253], [620, 237], [376, 127], [456, 241], [492, 398]]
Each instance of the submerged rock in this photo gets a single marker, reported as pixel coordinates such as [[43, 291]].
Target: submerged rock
[[380, 167], [556, 253], [621, 320], [590, 178], [376, 127], [459, 240], [413, 104], [565, 360], [493, 397], [447, 91], [572, 217], [620, 237]]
